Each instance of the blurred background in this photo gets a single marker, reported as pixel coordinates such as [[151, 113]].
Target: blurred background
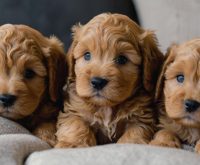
[[57, 16], [174, 21]]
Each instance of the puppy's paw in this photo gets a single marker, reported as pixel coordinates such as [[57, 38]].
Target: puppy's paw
[[124, 140], [46, 132], [166, 138], [51, 141], [168, 143], [62, 144], [197, 147]]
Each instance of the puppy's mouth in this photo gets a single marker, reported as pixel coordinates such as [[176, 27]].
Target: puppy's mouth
[[99, 95], [189, 120], [100, 99], [6, 110], [9, 112]]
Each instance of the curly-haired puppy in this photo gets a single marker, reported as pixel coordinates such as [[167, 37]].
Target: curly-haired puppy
[[178, 94], [113, 65], [32, 71]]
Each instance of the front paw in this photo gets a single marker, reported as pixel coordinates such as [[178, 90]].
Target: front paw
[[166, 138], [46, 131], [51, 141], [174, 143], [197, 147], [124, 140], [62, 144]]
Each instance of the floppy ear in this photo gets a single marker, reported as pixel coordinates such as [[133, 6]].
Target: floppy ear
[[57, 68], [152, 59], [169, 58], [70, 54]]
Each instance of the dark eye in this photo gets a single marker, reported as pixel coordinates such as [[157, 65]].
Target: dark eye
[[121, 60], [180, 78], [87, 56], [28, 73]]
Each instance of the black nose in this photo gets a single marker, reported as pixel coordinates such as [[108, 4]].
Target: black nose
[[191, 105], [7, 100], [98, 83]]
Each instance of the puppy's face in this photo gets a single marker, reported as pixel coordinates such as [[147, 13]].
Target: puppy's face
[[108, 61], [24, 71], [106, 72], [182, 84]]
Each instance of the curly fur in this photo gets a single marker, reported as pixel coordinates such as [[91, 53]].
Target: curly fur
[[38, 98], [176, 124], [123, 110]]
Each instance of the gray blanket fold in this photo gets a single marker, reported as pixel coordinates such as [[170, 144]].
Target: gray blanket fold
[[18, 146], [11, 127], [16, 143], [14, 148], [115, 154]]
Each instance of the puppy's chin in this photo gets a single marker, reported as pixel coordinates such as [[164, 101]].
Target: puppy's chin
[[188, 121], [191, 120], [100, 101], [18, 110], [106, 97], [12, 116], [101, 98]]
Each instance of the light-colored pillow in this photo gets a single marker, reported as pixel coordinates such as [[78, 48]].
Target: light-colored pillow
[[115, 154], [14, 148], [16, 143], [11, 127], [175, 21]]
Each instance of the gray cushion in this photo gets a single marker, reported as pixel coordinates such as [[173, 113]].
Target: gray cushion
[[16, 143], [11, 127], [14, 148], [174, 21], [114, 154]]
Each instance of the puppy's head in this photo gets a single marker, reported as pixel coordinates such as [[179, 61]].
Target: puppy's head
[[180, 78], [111, 57], [31, 70]]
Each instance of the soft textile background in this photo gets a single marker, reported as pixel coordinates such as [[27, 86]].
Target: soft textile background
[[174, 21], [57, 16], [125, 154], [16, 143]]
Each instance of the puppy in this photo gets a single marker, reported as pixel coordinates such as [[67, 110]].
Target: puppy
[[32, 71], [113, 66], [178, 94]]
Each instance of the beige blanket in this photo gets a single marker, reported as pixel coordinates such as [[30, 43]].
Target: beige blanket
[[18, 146], [16, 143], [115, 154]]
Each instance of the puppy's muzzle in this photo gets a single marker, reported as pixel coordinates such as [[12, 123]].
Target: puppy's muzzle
[[7, 100], [98, 83], [191, 105]]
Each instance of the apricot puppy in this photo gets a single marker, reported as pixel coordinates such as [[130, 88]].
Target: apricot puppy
[[32, 73], [178, 94], [113, 66]]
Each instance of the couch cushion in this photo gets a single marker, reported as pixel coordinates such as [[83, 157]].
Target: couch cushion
[[10, 127], [115, 154], [16, 143], [14, 148], [174, 21]]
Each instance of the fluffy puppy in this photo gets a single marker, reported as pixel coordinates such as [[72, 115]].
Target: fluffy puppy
[[178, 96], [32, 71], [113, 65]]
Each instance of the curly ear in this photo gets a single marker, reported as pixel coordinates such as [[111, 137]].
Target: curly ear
[[152, 59], [169, 58], [57, 67], [56, 64], [70, 54]]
